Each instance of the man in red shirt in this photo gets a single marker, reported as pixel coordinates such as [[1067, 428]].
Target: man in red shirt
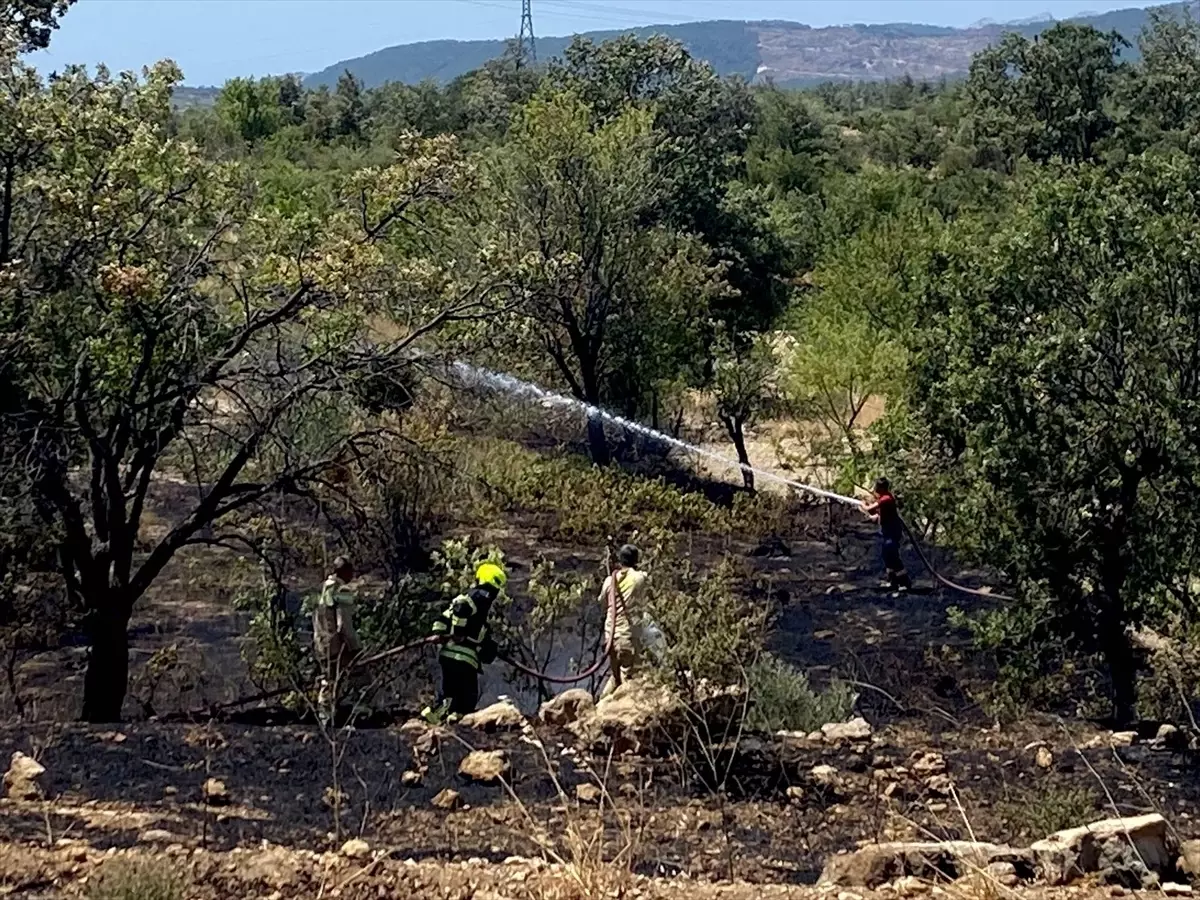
[[885, 511]]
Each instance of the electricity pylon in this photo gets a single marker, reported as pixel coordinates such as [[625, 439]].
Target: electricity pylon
[[526, 45]]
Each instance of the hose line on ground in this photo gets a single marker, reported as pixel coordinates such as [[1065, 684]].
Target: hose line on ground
[[605, 656], [851, 501]]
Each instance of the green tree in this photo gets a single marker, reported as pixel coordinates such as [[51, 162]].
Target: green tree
[[320, 116], [704, 120], [1054, 394], [1162, 98], [482, 103], [744, 372], [1043, 98], [250, 108], [789, 149], [349, 108], [610, 303], [27, 25], [157, 320]]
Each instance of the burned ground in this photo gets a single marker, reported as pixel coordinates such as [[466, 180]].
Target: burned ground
[[141, 785]]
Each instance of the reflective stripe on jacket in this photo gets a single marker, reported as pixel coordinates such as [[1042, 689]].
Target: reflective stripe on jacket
[[465, 622]]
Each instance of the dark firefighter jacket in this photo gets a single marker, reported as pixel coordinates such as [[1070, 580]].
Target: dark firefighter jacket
[[465, 622]]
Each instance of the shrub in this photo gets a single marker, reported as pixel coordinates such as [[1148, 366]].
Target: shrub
[[712, 631], [122, 879], [783, 700], [1051, 808], [577, 502]]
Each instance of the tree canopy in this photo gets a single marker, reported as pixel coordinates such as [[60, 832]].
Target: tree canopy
[[985, 288]]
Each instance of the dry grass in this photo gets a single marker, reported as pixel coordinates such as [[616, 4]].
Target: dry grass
[[122, 879], [594, 865]]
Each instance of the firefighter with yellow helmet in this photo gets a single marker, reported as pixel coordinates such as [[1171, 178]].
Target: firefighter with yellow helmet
[[468, 645]]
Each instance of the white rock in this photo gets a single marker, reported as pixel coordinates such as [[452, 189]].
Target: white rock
[[356, 848], [500, 716], [22, 781], [566, 707], [1074, 852], [484, 766], [826, 776], [157, 836], [447, 799], [1004, 873], [215, 793], [857, 729], [1044, 759], [909, 886]]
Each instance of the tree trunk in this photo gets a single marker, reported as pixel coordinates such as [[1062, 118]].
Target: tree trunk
[[1122, 670], [597, 441], [737, 434], [107, 676], [1115, 642]]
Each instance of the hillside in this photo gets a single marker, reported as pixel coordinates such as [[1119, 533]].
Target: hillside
[[786, 52]]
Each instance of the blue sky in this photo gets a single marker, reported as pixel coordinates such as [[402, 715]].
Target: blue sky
[[213, 40]]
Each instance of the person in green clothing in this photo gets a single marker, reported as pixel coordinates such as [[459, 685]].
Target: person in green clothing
[[334, 640], [467, 645]]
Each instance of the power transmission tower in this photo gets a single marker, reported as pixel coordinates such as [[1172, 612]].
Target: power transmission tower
[[526, 45]]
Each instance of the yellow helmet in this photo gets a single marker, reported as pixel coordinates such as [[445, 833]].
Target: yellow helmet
[[490, 573]]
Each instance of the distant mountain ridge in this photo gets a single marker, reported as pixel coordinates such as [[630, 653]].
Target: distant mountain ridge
[[788, 53]]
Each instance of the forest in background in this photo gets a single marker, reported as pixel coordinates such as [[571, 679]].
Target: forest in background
[[251, 301]]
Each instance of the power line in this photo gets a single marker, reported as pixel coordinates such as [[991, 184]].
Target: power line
[[614, 13]]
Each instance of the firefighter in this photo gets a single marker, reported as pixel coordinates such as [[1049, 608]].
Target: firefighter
[[334, 639], [891, 532], [625, 655], [468, 645]]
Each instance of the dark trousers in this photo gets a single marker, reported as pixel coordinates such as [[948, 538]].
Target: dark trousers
[[460, 685], [893, 563]]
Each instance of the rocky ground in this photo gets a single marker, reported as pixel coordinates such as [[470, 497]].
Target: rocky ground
[[263, 805], [524, 809]]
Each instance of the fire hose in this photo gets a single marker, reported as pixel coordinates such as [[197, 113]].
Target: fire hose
[[603, 657], [392, 652], [852, 501]]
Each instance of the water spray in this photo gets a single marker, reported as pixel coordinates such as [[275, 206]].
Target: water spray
[[516, 387], [508, 384]]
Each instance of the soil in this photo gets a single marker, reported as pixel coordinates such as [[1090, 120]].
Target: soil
[[135, 793]]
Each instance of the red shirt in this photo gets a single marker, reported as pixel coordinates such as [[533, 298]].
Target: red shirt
[[889, 517]]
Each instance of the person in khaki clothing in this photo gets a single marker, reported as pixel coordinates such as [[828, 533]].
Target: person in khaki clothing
[[625, 657], [334, 640]]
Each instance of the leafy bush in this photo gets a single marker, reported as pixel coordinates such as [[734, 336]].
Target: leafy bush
[[1051, 808], [783, 700], [712, 631], [136, 880], [581, 503]]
